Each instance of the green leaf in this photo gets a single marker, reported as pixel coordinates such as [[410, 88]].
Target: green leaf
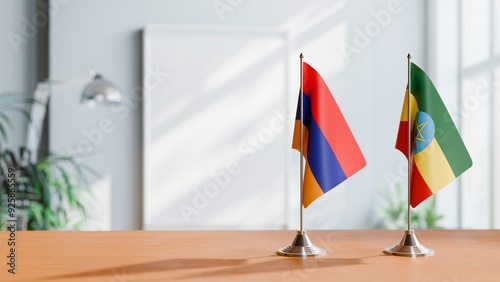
[[55, 185], [392, 213]]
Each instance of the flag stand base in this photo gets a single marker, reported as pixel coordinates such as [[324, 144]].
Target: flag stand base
[[301, 247], [409, 247]]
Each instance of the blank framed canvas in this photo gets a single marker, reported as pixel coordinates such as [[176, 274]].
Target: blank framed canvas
[[216, 129]]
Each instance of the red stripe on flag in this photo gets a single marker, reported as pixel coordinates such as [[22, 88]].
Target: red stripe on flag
[[419, 189], [332, 123], [402, 139]]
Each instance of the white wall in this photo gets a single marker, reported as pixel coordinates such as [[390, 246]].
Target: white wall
[[18, 65], [368, 85]]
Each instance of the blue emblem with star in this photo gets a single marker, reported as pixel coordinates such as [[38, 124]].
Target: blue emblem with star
[[423, 131]]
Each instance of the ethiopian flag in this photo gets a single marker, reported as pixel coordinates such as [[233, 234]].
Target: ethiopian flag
[[332, 154], [438, 155]]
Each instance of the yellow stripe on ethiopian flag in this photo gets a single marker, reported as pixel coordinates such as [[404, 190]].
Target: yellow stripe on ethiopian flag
[[434, 167], [414, 107]]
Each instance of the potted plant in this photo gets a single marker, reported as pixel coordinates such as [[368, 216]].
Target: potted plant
[[392, 214], [49, 192]]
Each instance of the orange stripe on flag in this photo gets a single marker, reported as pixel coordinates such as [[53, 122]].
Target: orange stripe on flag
[[296, 138], [312, 191]]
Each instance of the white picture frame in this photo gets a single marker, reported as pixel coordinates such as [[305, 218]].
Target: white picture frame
[[209, 92]]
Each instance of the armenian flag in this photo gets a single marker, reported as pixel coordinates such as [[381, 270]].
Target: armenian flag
[[332, 154], [438, 155]]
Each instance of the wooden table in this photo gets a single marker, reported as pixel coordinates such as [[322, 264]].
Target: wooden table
[[461, 255]]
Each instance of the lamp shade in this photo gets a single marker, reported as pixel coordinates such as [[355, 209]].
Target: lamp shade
[[102, 91]]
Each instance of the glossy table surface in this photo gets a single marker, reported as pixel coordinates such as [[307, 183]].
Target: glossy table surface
[[352, 255]]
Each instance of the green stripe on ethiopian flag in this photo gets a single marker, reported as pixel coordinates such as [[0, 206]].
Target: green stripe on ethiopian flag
[[438, 153]]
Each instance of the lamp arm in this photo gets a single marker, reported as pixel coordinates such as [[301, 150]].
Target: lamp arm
[[38, 110], [98, 88]]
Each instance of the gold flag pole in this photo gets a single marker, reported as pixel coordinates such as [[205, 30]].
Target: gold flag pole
[[301, 245], [301, 142], [409, 149], [409, 246]]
